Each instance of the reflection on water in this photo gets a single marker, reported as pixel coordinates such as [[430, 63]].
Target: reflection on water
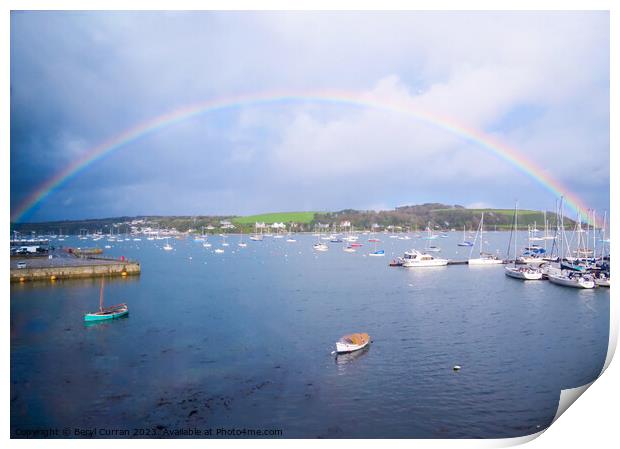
[[75, 283], [344, 359]]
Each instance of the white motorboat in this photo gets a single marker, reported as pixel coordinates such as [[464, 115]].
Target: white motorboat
[[290, 240], [168, 247], [572, 279], [415, 258], [352, 342], [218, 251], [524, 273]]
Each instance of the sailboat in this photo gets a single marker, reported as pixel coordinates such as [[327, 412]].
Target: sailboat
[[320, 246], [431, 248], [241, 243], [167, 246], [465, 242], [485, 258], [106, 313], [568, 278], [377, 252], [526, 273]]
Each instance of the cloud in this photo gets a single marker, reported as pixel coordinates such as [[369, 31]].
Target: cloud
[[537, 81]]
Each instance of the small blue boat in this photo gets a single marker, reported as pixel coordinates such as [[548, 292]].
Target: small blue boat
[[380, 252], [106, 313], [465, 244]]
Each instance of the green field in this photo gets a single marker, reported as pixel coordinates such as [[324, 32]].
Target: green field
[[277, 217]]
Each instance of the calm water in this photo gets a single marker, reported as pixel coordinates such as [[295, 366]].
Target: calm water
[[243, 339]]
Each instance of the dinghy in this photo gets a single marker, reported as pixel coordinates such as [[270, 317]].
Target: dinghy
[[106, 313], [352, 342]]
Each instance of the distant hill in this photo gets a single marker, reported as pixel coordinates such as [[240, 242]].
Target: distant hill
[[440, 216]]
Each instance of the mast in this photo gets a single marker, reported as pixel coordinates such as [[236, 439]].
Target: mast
[[594, 235], [516, 218], [101, 296], [481, 226]]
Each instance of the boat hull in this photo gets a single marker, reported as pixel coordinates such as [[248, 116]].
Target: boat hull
[[483, 261], [425, 263], [601, 282], [523, 274], [573, 283], [343, 348], [98, 316]]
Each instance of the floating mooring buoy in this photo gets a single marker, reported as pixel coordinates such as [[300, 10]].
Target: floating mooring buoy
[[456, 367]]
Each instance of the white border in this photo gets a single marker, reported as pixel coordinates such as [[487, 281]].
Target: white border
[[593, 422]]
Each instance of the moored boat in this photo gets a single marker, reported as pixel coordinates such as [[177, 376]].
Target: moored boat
[[572, 279], [352, 342], [486, 259], [106, 313], [524, 273], [415, 258], [601, 280]]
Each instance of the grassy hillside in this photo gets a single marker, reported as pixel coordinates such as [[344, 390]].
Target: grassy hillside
[[278, 217], [502, 218]]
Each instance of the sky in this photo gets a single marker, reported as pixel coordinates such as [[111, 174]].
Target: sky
[[536, 81]]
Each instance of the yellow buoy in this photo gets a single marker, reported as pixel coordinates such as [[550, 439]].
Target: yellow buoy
[[123, 273], [52, 278], [22, 279]]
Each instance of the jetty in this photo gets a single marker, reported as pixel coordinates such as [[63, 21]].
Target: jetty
[[67, 266]]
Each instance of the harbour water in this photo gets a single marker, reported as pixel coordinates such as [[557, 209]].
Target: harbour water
[[243, 339]]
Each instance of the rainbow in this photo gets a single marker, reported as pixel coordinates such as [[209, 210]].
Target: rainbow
[[403, 106]]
